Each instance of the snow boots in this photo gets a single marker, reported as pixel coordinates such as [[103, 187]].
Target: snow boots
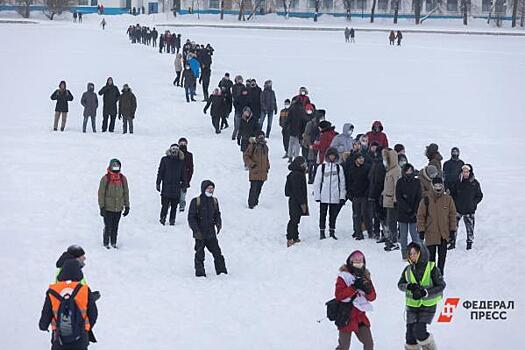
[[289, 243], [162, 220], [469, 245], [428, 344], [323, 235], [332, 233]]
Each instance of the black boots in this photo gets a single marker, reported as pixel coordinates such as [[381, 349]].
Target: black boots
[[469, 245], [322, 236], [332, 233]]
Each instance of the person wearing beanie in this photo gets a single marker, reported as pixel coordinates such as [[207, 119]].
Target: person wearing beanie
[[393, 174], [355, 291], [329, 191], [110, 98], [452, 169], [344, 141], [73, 252], [467, 195], [436, 222], [357, 184], [218, 108], [296, 191], [399, 148], [377, 134], [423, 285], [408, 196], [295, 124], [89, 101], [188, 169], [171, 181], [434, 157], [425, 176], [327, 134], [127, 106], [256, 159], [113, 201], [62, 96], [283, 115]]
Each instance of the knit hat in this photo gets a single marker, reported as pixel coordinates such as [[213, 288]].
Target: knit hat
[[454, 150], [114, 161], [466, 167], [325, 125], [354, 255], [287, 101], [407, 166], [431, 171], [183, 139], [76, 250], [399, 147]]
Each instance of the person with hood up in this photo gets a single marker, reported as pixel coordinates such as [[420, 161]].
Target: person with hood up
[[113, 200], [425, 176], [73, 252], [62, 96], [357, 184], [423, 285], [377, 134], [393, 173], [171, 176], [408, 196], [69, 283], [343, 142], [109, 109], [434, 157], [329, 191], [127, 106], [256, 159], [296, 191], [376, 178], [218, 108], [452, 169], [436, 222], [178, 69], [354, 286], [204, 219], [327, 134], [302, 97], [89, 101], [189, 81], [268, 106], [467, 195], [310, 135], [284, 130], [247, 129], [295, 123]]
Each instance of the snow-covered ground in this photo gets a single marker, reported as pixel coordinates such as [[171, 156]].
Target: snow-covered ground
[[464, 91]]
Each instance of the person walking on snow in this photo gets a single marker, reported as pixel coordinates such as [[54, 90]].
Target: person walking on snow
[[109, 109], [89, 101], [268, 106], [171, 176], [127, 106], [295, 190], [256, 159], [355, 290], [113, 200], [344, 141], [347, 34], [284, 130], [295, 124], [218, 108], [408, 196], [178, 70], [327, 135], [434, 157], [62, 96], [329, 191], [103, 23], [189, 81], [467, 195], [423, 285], [247, 129], [392, 37], [452, 169], [204, 219], [188, 168]]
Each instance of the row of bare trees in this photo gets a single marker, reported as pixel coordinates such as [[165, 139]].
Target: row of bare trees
[[51, 7]]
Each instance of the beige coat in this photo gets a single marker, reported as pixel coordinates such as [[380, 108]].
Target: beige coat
[[256, 159], [393, 173], [437, 219]]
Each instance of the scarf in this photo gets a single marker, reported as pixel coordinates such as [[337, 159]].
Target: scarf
[[360, 302], [115, 178]]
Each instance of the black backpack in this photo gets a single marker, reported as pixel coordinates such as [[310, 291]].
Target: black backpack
[[339, 312], [69, 321]]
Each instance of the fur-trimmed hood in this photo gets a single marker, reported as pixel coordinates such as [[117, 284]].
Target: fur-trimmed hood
[[178, 154]]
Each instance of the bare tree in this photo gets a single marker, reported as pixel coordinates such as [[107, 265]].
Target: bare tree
[[514, 12], [396, 10], [316, 13], [348, 7], [287, 5], [24, 7], [222, 9], [417, 10], [464, 10], [373, 11], [55, 7]]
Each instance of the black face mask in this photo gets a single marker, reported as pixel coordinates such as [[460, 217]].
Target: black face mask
[[455, 155], [183, 147]]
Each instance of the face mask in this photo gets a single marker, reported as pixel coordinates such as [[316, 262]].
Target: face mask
[[438, 188], [455, 155], [402, 163], [350, 132], [286, 106], [115, 169], [303, 93], [208, 194], [309, 112], [358, 265]]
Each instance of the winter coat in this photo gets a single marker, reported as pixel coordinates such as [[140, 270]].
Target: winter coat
[[379, 137], [188, 78], [393, 173], [311, 131], [188, 167], [178, 63], [255, 100], [62, 98], [423, 314], [376, 177], [268, 102], [282, 118], [256, 159], [89, 101], [329, 185], [425, 181], [218, 106], [324, 142], [248, 128], [111, 95], [357, 181], [227, 84], [296, 120], [295, 188], [204, 219], [436, 161], [113, 196], [195, 67], [452, 171], [467, 194], [236, 91], [127, 105], [408, 196], [172, 174], [242, 101], [343, 142], [437, 218], [205, 75]]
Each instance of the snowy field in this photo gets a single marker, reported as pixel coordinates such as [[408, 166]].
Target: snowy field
[[454, 90]]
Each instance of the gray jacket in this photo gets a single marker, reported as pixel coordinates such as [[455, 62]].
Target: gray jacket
[[268, 102], [89, 101], [178, 63], [343, 142]]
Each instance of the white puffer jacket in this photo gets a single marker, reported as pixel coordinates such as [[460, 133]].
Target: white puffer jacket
[[329, 187]]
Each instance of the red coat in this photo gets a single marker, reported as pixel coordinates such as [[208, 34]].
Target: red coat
[[304, 99], [324, 142], [379, 137], [357, 317]]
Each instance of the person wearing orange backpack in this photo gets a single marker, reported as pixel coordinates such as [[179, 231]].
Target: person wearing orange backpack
[[70, 309]]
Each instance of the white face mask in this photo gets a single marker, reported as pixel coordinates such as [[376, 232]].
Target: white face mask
[[208, 194], [358, 265]]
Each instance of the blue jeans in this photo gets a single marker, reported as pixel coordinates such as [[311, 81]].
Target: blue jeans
[[270, 119], [404, 228], [190, 93]]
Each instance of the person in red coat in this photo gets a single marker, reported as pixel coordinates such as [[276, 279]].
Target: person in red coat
[[303, 96], [325, 139], [355, 285], [377, 135]]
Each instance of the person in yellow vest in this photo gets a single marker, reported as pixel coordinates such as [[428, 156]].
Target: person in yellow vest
[[423, 285], [70, 309]]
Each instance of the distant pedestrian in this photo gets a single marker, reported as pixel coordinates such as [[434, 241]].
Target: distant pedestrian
[[62, 96]]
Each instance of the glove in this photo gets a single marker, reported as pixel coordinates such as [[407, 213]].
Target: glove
[[102, 212], [126, 211], [412, 287], [422, 235], [304, 209], [96, 295], [238, 141], [419, 293], [158, 187], [358, 283], [367, 287]]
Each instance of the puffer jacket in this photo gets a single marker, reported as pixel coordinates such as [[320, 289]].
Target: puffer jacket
[[113, 196], [329, 185], [256, 159], [324, 142], [379, 137], [467, 194], [343, 142], [268, 102], [437, 218], [393, 173], [89, 101], [127, 104], [172, 174]]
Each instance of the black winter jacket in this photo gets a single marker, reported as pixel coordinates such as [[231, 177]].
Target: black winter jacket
[[205, 219], [377, 179], [408, 196], [62, 98], [111, 95], [218, 106], [295, 187], [451, 172], [296, 121], [467, 195], [242, 101], [357, 181], [172, 174]]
